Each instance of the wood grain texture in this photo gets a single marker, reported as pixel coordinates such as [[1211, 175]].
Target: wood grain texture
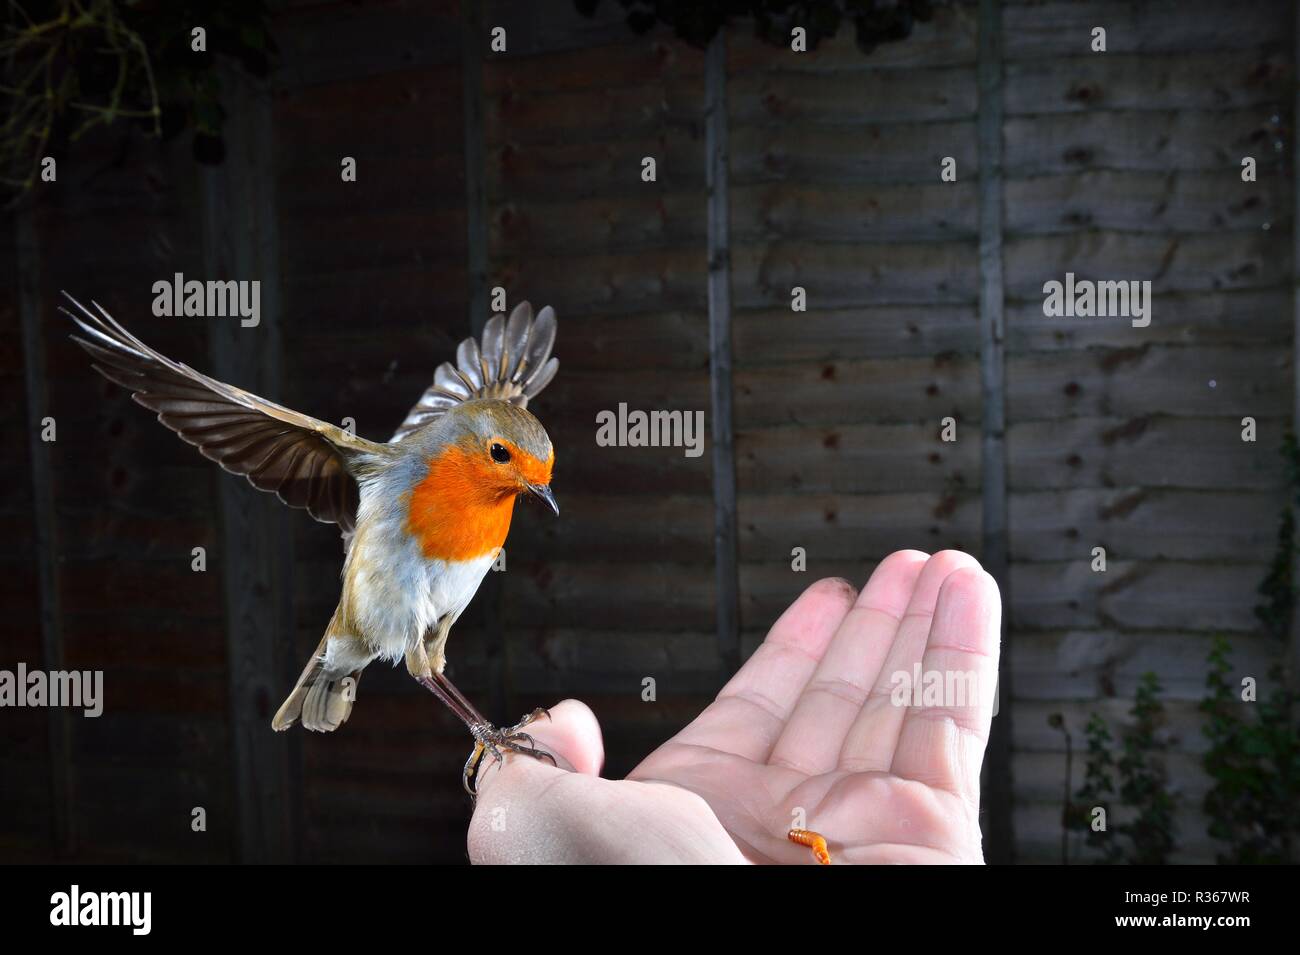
[[240, 239], [718, 106], [1061, 28]]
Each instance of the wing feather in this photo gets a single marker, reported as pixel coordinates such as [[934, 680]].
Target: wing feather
[[512, 361], [306, 462]]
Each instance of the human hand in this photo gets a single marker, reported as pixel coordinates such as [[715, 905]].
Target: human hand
[[809, 723]]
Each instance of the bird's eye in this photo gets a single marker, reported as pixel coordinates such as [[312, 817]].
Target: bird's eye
[[499, 454]]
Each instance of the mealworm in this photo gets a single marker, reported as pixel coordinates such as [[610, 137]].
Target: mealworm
[[814, 841]]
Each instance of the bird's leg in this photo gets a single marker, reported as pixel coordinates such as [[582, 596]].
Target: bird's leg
[[487, 738]]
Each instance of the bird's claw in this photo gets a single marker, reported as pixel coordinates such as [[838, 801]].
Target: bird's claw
[[492, 741]]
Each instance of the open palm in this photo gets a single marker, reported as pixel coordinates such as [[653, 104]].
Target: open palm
[[810, 733]]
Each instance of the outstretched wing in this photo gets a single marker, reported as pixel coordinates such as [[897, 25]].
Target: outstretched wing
[[308, 463], [513, 364]]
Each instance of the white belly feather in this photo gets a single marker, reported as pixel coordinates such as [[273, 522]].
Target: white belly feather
[[396, 595]]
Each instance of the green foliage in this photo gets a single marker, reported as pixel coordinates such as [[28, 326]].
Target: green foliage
[[1148, 837], [71, 65], [1254, 755], [1097, 790], [1144, 784], [697, 21]]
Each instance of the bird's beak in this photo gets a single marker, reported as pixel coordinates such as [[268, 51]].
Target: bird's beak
[[543, 493]]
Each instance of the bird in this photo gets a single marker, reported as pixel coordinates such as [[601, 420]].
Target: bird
[[423, 515]]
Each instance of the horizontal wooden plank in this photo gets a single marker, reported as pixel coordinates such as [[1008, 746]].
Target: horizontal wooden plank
[[656, 595], [915, 390], [106, 532], [527, 117], [1204, 382], [607, 282], [376, 240], [1180, 727], [181, 491], [583, 394], [635, 220], [1087, 664], [1147, 202], [557, 663], [1135, 594], [1202, 262], [836, 99], [144, 741], [892, 152], [1179, 79], [130, 251], [131, 815], [154, 585], [1233, 317], [849, 527], [577, 170], [830, 334], [1153, 140], [1143, 451], [95, 638], [1061, 28], [619, 527], [401, 295], [426, 180], [673, 340], [628, 60], [1143, 523], [406, 112], [853, 212], [854, 458], [838, 275]]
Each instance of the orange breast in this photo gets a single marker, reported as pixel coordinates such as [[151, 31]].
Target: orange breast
[[460, 510]]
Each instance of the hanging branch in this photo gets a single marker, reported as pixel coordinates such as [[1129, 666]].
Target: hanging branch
[[68, 67]]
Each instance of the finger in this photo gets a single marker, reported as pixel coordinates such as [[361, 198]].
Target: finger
[[942, 745], [870, 743], [833, 697], [750, 712], [571, 735]]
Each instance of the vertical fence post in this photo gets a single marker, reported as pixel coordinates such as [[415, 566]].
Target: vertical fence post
[[1292, 660], [241, 242], [996, 790], [724, 460], [491, 595], [44, 519]]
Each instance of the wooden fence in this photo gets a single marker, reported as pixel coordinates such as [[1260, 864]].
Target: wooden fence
[[522, 170]]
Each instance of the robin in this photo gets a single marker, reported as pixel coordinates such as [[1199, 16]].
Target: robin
[[423, 516]]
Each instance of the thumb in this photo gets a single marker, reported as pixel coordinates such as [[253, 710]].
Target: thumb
[[512, 821], [571, 734]]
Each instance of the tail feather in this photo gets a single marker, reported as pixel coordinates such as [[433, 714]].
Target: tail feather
[[321, 700]]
